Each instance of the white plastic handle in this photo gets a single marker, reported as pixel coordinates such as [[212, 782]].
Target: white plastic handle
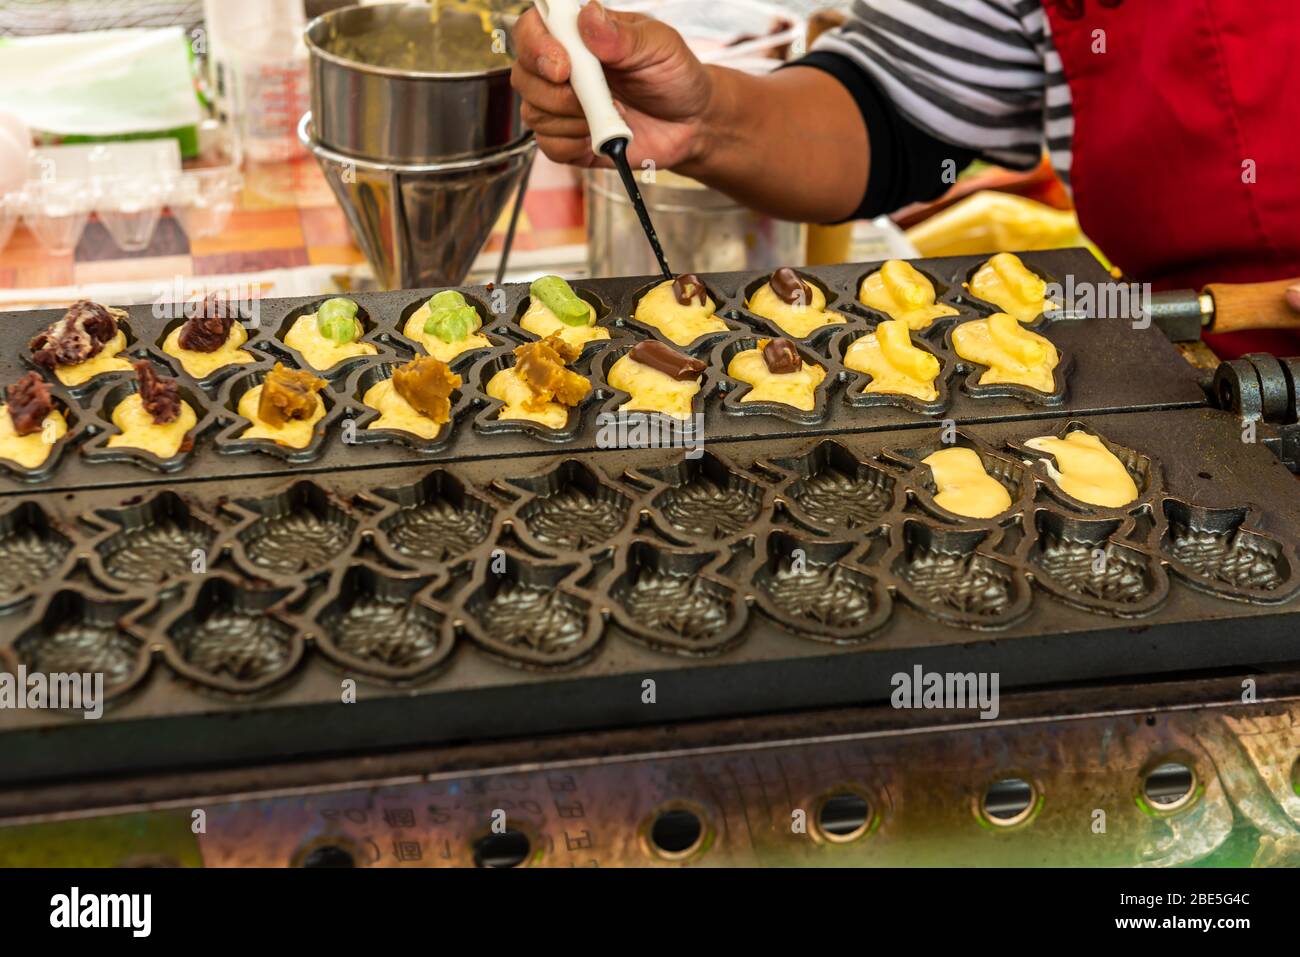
[[587, 76]]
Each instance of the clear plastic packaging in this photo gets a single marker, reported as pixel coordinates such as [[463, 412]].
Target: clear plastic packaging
[[127, 186]]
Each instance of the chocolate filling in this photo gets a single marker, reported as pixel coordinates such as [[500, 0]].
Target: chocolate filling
[[790, 287], [687, 288], [670, 362], [781, 357]]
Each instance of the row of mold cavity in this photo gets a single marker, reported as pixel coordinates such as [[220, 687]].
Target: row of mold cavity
[[384, 316], [215, 398], [535, 571], [220, 427]]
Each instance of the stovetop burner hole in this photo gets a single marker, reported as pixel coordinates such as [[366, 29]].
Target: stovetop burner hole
[[507, 849]]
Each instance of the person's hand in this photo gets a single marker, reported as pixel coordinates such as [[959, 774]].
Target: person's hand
[[1293, 296], [659, 86]]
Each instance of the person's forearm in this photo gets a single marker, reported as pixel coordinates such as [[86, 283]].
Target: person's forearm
[[791, 144]]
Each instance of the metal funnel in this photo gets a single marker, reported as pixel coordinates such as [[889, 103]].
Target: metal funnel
[[423, 225], [421, 162]]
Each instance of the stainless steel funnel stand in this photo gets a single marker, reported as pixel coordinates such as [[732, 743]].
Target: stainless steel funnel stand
[[422, 224], [422, 161]]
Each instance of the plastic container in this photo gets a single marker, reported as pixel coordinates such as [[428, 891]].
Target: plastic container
[[126, 185], [260, 63]]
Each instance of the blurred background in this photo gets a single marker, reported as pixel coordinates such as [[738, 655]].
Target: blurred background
[[144, 142]]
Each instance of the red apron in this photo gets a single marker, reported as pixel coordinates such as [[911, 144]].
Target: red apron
[[1190, 101]]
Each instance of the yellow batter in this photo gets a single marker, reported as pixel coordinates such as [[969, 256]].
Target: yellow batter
[[1007, 283], [1013, 354], [901, 291], [965, 488], [446, 351], [541, 322], [106, 360], [797, 389], [200, 365], [296, 433], [396, 413], [681, 325], [514, 393], [140, 431], [319, 352], [1085, 469], [31, 450], [651, 390], [793, 319], [894, 364]]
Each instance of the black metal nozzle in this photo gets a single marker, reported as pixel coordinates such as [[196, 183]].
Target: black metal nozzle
[[616, 149]]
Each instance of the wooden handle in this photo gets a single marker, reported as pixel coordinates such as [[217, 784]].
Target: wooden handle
[[1256, 305]]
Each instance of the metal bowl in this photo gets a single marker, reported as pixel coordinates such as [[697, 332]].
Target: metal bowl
[[403, 116]]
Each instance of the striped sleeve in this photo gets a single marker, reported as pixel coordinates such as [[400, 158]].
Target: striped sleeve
[[968, 72]]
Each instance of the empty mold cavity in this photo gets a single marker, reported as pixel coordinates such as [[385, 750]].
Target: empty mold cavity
[[30, 549], [298, 530], [835, 488], [1079, 560], [524, 615], [664, 596], [375, 622], [705, 499], [947, 577], [808, 586], [1210, 546], [80, 634], [155, 540], [571, 507], [230, 636], [437, 519]]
